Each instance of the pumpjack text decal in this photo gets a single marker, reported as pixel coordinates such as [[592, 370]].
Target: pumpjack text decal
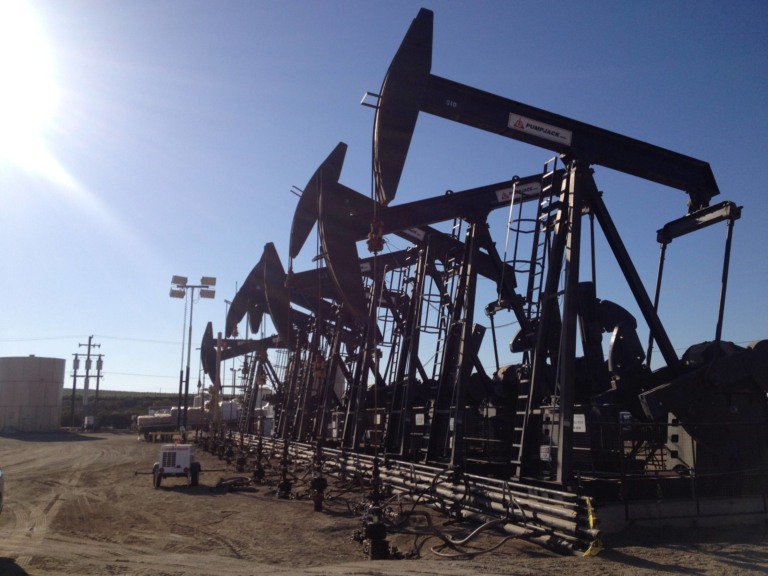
[[536, 128], [521, 191]]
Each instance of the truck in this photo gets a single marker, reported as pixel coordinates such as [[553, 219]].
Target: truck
[[176, 461], [168, 419]]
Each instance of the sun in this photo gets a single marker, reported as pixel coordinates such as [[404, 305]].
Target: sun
[[29, 93]]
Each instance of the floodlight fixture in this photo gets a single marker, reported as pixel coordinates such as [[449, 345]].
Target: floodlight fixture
[[179, 289]]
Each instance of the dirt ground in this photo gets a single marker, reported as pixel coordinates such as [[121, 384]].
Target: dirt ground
[[75, 506]]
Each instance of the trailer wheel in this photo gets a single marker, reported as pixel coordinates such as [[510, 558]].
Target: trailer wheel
[[194, 474], [157, 478]]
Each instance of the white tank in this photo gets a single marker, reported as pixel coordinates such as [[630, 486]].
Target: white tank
[[31, 393]]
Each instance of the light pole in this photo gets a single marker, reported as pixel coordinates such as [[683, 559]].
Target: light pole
[[181, 290], [228, 303]]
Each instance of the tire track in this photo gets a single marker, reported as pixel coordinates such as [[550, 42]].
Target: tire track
[[32, 518], [32, 530]]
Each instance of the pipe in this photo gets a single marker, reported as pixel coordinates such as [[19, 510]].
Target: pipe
[[552, 518]]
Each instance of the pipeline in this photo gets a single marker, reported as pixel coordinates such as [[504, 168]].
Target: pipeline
[[563, 521]]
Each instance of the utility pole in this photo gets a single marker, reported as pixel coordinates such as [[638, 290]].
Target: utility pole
[[75, 366], [87, 376], [99, 366]]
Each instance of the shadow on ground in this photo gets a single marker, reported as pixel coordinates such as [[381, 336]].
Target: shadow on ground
[[8, 567], [58, 436]]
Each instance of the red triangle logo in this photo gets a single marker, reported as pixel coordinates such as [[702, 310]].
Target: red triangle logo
[[519, 124]]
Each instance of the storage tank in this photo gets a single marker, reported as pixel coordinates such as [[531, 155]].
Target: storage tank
[[30, 393]]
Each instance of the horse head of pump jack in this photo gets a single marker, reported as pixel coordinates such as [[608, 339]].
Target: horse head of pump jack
[[327, 202], [248, 300], [305, 216]]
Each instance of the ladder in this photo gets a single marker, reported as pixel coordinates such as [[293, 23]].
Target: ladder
[[520, 419], [390, 318], [438, 299], [445, 303], [244, 422], [547, 210]]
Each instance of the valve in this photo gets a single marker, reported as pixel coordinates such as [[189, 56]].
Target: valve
[[284, 486], [374, 530], [284, 489], [240, 462], [317, 485], [258, 473], [375, 534]]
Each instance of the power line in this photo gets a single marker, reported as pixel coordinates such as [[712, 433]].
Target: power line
[[125, 339], [80, 336], [140, 375], [37, 338]]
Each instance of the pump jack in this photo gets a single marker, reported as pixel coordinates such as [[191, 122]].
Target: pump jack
[[384, 352]]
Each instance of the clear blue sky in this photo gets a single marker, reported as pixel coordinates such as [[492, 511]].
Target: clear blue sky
[[174, 130]]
